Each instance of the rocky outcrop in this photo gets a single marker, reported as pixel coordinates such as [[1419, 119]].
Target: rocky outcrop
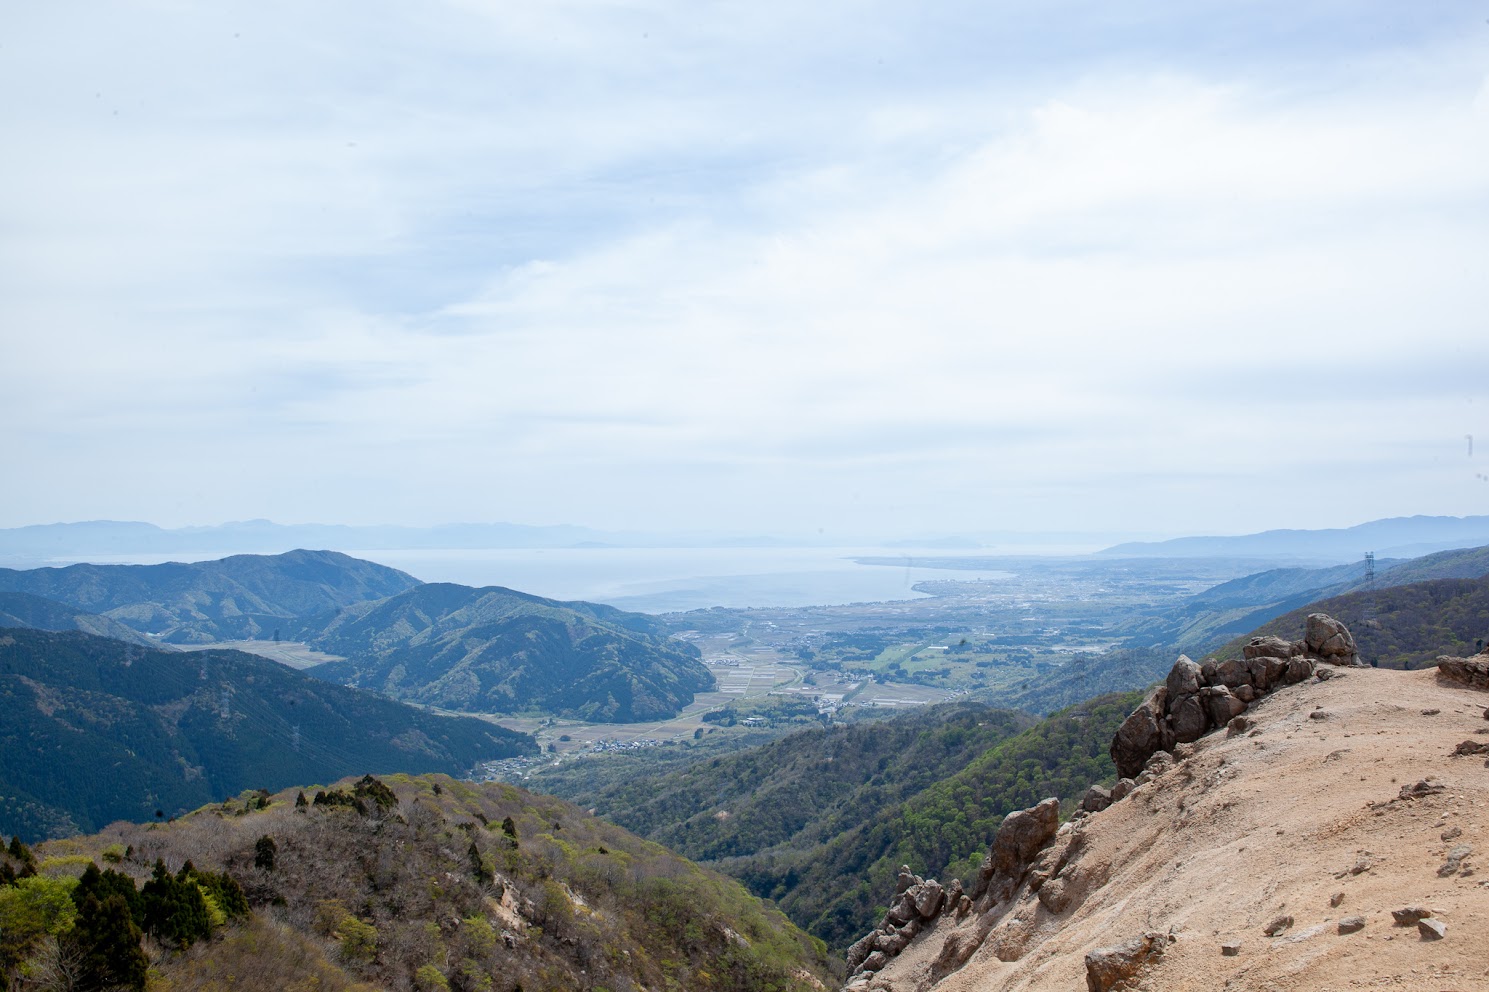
[[1019, 853], [1110, 968], [1472, 672], [917, 902], [1196, 699]]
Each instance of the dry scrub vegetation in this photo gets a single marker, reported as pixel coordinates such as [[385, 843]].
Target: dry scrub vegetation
[[429, 883]]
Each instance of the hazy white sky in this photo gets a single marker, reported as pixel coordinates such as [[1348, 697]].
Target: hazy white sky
[[869, 268]]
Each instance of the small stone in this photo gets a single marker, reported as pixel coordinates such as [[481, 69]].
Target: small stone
[[1431, 929], [1230, 948], [1237, 725], [1318, 715], [1471, 747], [1351, 924], [1336, 900], [1432, 712], [1420, 789], [1452, 833], [1408, 915], [1277, 926]]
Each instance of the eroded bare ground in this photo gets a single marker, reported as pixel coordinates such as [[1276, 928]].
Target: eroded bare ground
[[1301, 816]]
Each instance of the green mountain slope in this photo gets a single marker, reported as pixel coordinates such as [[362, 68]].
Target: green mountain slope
[[819, 821], [436, 884], [93, 730], [242, 597], [497, 650], [19, 609], [1398, 626]]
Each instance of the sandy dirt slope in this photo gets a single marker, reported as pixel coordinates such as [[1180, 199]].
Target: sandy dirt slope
[[1272, 822]]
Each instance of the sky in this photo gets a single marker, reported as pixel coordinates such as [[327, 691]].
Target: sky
[[838, 268]]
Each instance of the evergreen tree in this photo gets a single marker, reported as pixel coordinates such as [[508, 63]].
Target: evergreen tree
[[264, 852], [109, 941]]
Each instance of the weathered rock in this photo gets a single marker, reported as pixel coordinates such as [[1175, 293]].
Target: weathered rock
[[1408, 915], [1245, 692], [1161, 763], [1452, 833], [1278, 925], [902, 910], [1472, 672], [953, 896], [1122, 789], [1188, 718], [1336, 900], [1230, 948], [1454, 864], [1271, 647], [1352, 924], [1298, 669], [928, 898], [1419, 789], [859, 950], [1221, 705], [964, 905], [1471, 747], [1233, 673], [1141, 734], [1108, 966], [1431, 929], [874, 962], [1328, 638], [1184, 679], [1237, 725], [1318, 715], [904, 879], [1020, 837], [1055, 895], [1096, 799]]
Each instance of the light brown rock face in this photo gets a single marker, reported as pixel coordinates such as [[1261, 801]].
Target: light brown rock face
[[1330, 639], [1235, 831], [1142, 733], [1472, 672]]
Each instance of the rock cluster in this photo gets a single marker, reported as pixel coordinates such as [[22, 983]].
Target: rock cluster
[[1021, 841], [917, 901], [1472, 672], [1196, 699]]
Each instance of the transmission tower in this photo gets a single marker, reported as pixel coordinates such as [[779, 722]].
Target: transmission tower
[[1370, 569]]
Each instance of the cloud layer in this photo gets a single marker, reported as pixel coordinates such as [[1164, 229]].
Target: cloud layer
[[866, 268]]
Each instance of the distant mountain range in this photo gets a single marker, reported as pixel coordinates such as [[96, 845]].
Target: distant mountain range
[[94, 730], [239, 598], [498, 650], [1395, 537], [476, 650]]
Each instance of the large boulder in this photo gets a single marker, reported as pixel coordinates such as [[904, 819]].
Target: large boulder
[[1189, 719], [1019, 838], [1233, 673], [1271, 647], [1472, 672], [1141, 734], [1221, 705], [1329, 639], [1108, 968], [1184, 679]]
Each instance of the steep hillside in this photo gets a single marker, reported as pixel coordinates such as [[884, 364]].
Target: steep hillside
[[93, 730], [431, 884], [242, 597], [819, 820], [1274, 858], [1399, 626], [494, 650], [19, 609]]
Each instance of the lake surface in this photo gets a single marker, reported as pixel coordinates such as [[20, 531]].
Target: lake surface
[[662, 580]]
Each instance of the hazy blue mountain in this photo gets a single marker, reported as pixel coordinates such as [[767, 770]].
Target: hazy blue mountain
[[244, 596], [19, 609], [93, 730], [1384, 537], [498, 650]]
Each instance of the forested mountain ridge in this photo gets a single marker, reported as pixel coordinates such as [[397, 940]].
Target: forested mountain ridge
[[93, 730], [1399, 626], [498, 650], [820, 820], [417, 883], [20, 609], [236, 598]]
